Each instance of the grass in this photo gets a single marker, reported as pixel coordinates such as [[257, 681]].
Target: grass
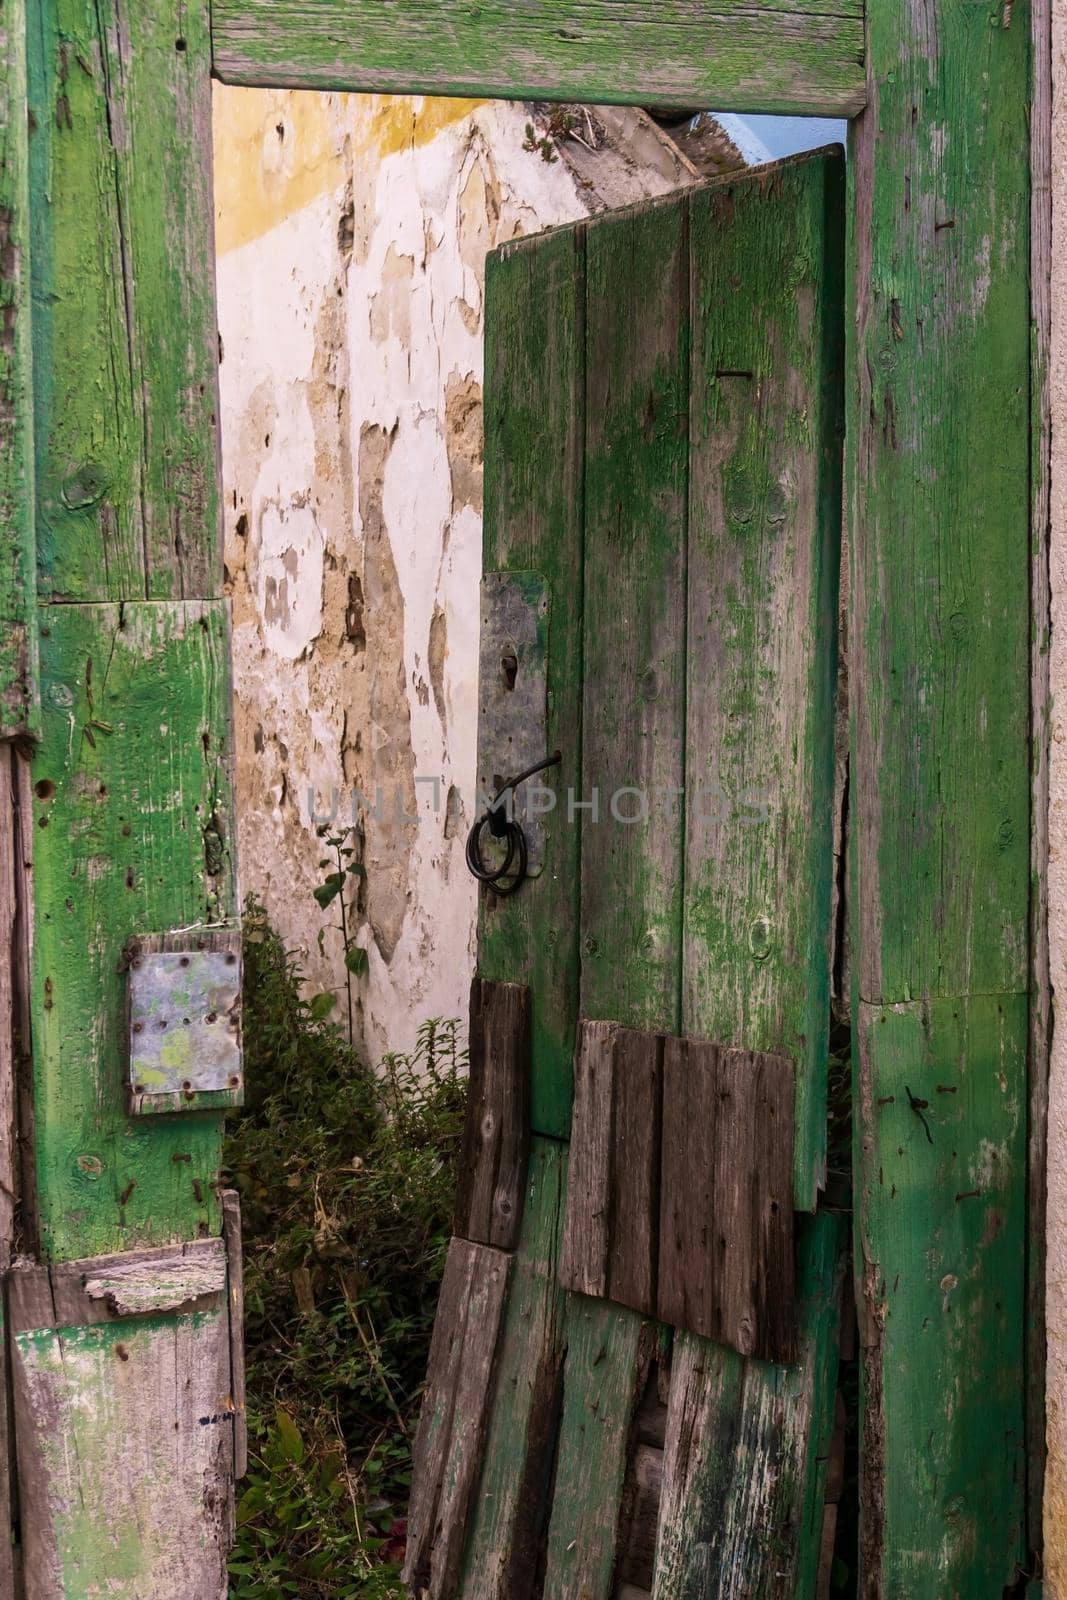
[[347, 1180]]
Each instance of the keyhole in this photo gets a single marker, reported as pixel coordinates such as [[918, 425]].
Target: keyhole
[[509, 667]]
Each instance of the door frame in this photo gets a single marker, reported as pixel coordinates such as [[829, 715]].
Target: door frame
[[892, 262]]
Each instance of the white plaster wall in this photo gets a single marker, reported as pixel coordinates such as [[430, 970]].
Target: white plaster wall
[[1056, 1480], [352, 235]]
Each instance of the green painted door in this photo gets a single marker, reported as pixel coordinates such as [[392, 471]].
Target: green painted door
[[664, 399], [115, 811]]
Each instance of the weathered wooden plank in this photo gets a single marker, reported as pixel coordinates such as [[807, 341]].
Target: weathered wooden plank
[[1040, 701], [726, 1241], [764, 554], [940, 518], [14, 892], [18, 620], [608, 1356], [747, 1448], [583, 1262], [124, 1435], [687, 1206], [534, 403], [611, 1233], [496, 1143], [131, 792], [636, 485], [231, 1234], [125, 332], [509, 1517], [11, 1586], [941, 1212], [736, 54], [73, 1294], [455, 1413]]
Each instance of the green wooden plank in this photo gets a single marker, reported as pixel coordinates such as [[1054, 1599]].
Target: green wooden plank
[[942, 1212], [125, 333], [748, 1446], [940, 511], [633, 662], [18, 632], [510, 1514], [636, 487], [764, 555], [1041, 726], [609, 1351], [793, 55], [132, 792], [534, 377]]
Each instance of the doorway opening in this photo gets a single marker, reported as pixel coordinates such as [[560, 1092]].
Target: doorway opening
[[352, 238]]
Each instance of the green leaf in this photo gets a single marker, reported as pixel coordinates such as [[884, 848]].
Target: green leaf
[[356, 960], [327, 892], [288, 1436], [357, 870], [321, 1005]]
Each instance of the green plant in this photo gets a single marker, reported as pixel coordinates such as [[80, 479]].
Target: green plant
[[345, 871], [347, 1180]]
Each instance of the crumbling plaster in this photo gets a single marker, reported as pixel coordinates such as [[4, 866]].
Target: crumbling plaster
[[352, 234]]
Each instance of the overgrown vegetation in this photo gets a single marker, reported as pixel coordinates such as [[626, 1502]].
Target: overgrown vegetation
[[346, 1180]]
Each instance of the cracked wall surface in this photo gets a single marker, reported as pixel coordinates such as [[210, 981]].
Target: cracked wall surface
[[352, 235]]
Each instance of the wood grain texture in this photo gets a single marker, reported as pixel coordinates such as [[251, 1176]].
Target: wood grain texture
[[455, 1412], [747, 1448], [509, 1516], [611, 1233], [124, 327], [18, 620], [942, 1209], [125, 1443], [764, 555], [726, 1220], [235, 1288], [11, 1585], [736, 54], [636, 486], [132, 1283], [14, 1022], [496, 1141], [1040, 698], [940, 537], [131, 838], [608, 1355], [534, 383]]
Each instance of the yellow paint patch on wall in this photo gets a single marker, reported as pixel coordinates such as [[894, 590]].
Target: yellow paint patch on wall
[[279, 150]]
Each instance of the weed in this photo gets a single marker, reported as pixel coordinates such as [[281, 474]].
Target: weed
[[347, 1180]]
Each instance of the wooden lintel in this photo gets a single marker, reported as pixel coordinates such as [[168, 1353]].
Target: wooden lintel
[[802, 56]]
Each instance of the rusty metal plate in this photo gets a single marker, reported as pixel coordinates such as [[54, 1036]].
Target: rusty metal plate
[[185, 1030], [513, 696]]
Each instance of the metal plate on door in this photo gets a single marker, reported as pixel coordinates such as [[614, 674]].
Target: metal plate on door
[[185, 1028]]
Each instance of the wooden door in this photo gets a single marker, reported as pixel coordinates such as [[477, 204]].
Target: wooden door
[[663, 437]]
